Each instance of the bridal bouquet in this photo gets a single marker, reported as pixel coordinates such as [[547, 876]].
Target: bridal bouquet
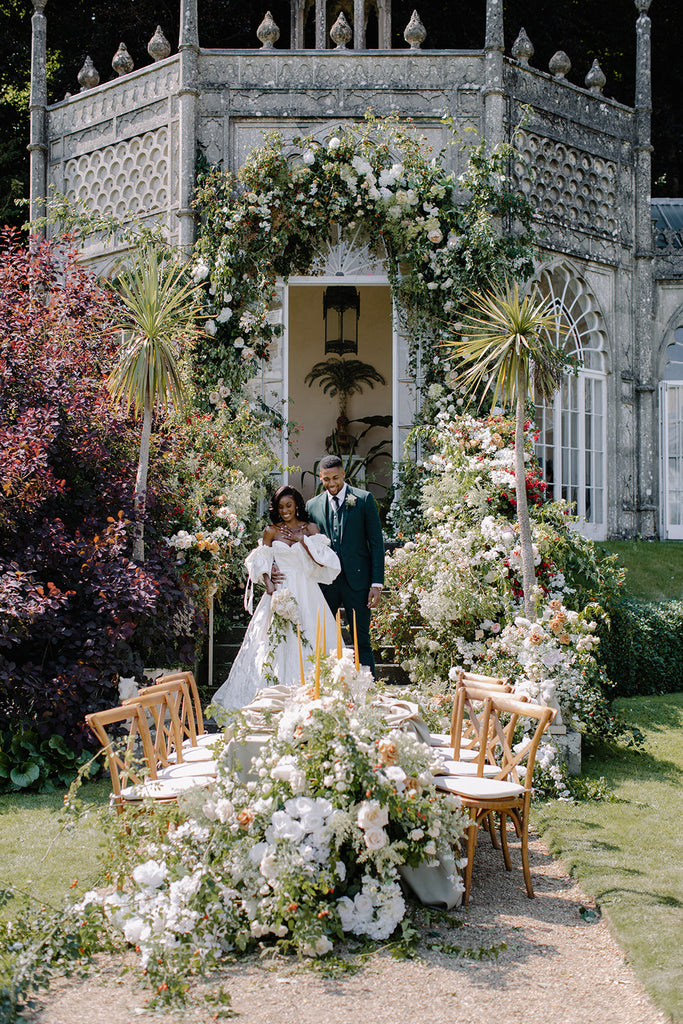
[[309, 849], [283, 603]]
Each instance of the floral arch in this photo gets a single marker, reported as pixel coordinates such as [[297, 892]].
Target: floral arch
[[572, 441], [376, 184]]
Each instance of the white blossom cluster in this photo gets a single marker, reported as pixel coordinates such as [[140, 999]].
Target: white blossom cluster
[[307, 846]]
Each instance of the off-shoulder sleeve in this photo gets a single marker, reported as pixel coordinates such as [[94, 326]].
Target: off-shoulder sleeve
[[259, 562], [329, 567]]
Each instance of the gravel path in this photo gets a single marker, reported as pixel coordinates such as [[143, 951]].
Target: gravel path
[[558, 967]]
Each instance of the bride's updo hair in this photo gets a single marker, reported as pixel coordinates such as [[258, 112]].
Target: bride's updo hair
[[287, 492]]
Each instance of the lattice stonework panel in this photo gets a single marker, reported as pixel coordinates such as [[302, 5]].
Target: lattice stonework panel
[[129, 178], [569, 186]]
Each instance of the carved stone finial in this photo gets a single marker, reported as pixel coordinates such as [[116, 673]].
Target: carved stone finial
[[158, 47], [522, 48], [559, 64], [268, 32], [415, 33], [340, 33], [643, 6], [88, 76], [595, 79], [39, 5], [122, 62]]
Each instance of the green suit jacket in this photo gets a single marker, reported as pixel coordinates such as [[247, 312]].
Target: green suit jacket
[[361, 547]]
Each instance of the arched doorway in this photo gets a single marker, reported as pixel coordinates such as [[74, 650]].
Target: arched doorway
[[571, 444]]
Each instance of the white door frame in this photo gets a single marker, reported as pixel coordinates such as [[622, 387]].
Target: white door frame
[[354, 281], [668, 530]]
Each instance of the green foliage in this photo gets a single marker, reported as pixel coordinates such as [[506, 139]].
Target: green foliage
[[642, 648], [31, 761], [625, 851]]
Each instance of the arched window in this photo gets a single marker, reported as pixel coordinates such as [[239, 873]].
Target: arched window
[[572, 426], [671, 433]]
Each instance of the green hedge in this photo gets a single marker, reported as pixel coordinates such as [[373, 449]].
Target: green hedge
[[642, 650]]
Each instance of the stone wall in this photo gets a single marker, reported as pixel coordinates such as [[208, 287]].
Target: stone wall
[[114, 149]]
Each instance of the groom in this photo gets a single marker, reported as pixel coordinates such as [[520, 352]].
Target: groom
[[349, 517]]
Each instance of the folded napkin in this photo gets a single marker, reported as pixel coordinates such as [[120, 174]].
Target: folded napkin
[[402, 714], [266, 704]]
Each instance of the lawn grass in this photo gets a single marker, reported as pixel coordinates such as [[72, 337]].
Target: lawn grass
[[628, 854], [655, 568], [42, 857]]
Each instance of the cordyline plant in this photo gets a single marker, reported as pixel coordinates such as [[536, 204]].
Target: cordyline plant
[[507, 346], [161, 308]]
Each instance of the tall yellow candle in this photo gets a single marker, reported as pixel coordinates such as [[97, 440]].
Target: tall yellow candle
[[339, 634], [301, 655], [355, 641], [316, 691]]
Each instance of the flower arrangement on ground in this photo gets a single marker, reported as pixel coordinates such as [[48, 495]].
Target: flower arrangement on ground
[[454, 590], [213, 468], [304, 852]]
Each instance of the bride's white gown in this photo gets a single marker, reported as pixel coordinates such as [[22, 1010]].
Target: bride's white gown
[[302, 577]]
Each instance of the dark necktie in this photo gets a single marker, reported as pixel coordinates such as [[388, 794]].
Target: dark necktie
[[335, 521]]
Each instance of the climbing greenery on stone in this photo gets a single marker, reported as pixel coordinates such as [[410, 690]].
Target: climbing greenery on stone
[[376, 183]]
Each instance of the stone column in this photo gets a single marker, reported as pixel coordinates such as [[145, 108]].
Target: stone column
[[494, 92], [359, 24], [647, 445], [38, 109], [320, 25], [384, 24], [188, 97], [297, 25]]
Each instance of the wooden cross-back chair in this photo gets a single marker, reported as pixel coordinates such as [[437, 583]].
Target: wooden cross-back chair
[[507, 793], [461, 732], [192, 720], [127, 744], [167, 706]]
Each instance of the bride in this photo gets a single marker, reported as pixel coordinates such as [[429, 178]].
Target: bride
[[270, 651]]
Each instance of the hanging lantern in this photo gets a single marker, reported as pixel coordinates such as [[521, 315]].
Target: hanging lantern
[[341, 312]]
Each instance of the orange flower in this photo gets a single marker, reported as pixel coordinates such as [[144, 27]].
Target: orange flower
[[388, 754], [245, 817]]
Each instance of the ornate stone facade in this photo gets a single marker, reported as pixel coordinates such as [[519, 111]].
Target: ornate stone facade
[[128, 146]]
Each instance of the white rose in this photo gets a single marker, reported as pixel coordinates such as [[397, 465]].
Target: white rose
[[375, 838], [151, 874], [200, 273], [333, 144], [210, 327], [371, 814], [309, 157]]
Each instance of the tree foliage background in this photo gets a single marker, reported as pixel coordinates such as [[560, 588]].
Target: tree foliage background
[[584, 30]]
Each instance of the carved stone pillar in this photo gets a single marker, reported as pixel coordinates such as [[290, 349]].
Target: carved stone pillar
[[188, 97], [38, 106], [296, 25], [359, 24], [320, 25], [384, 24], [645, 357], [494, 93]]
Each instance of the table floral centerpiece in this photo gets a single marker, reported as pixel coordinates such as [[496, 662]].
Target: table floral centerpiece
[[304, 852]]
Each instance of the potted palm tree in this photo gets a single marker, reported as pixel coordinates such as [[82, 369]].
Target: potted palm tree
[[507, 344], [343, 377]]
